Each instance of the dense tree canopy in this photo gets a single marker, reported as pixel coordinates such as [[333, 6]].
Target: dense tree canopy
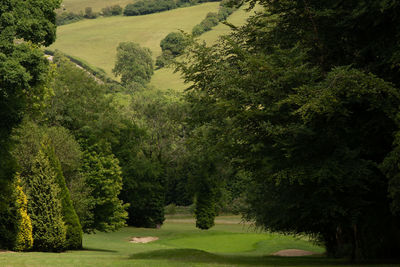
[[302, 99], [23, 76]]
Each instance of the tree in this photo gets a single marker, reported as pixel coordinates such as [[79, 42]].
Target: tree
[[133, 64], [309, 130], [73, 239], [175, 42], [23, 78], [45, 207], [103, 175]]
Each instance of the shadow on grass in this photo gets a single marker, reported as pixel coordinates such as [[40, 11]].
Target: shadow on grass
[[99, 250], [200, 256]]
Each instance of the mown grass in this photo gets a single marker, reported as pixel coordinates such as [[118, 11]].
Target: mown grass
[[79, 5], [181, 244]]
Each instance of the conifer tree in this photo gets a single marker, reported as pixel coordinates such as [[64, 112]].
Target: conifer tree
[[45, 209], [24, 239], [70, 218]]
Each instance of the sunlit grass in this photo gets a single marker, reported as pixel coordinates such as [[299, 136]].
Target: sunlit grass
[[181, 244]]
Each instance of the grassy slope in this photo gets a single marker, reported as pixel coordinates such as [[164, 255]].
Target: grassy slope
[[180, 244], [79, 5], [95, 41], [166, 79]]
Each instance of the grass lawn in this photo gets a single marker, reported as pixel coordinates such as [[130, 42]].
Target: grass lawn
[[181, 244]]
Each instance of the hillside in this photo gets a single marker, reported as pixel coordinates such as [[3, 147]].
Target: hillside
[[95, 41], [78, 5]]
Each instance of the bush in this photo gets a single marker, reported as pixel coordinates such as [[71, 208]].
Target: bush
[[175, 42], [114, 10], [68, 17], [148, 7], [89, 14], [212, 19], [24, 239], [198, 30]]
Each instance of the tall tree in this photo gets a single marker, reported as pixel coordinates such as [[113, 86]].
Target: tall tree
[[103, 175], [45, 208], [23, 75], [310, 131]]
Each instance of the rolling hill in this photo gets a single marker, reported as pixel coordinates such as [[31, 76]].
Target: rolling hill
[[95, 41]]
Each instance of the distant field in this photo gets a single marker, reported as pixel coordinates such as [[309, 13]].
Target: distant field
[[80, 5], [95, 41], [166, 79]]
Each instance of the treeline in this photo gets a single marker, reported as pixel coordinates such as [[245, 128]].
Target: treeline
[[134, 9], [154, 6], [212, 19], [71, 17]]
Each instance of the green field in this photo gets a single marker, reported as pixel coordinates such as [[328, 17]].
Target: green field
[[181, 244], [79, 5], [166, 79], [95, 41]]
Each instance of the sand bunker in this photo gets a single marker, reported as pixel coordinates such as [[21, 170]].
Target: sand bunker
[[293, 253], [144, 239], [6, 251]]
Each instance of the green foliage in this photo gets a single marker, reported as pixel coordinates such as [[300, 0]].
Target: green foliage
[[44, 205], [175, 42], [24, 240], [70, 218], [148, 7], [114, 10], [145, 193], [23, 79], [68, 17], [205, 210], [172, 46], [310, 136], [80, 104], [134, 63], [63, 153], [164, 59], [103, 175], [212, 19]]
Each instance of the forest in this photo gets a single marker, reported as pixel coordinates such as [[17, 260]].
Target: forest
[[291, 120]]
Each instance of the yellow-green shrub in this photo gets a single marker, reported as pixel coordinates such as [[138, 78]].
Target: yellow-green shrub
[[24, 240]]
